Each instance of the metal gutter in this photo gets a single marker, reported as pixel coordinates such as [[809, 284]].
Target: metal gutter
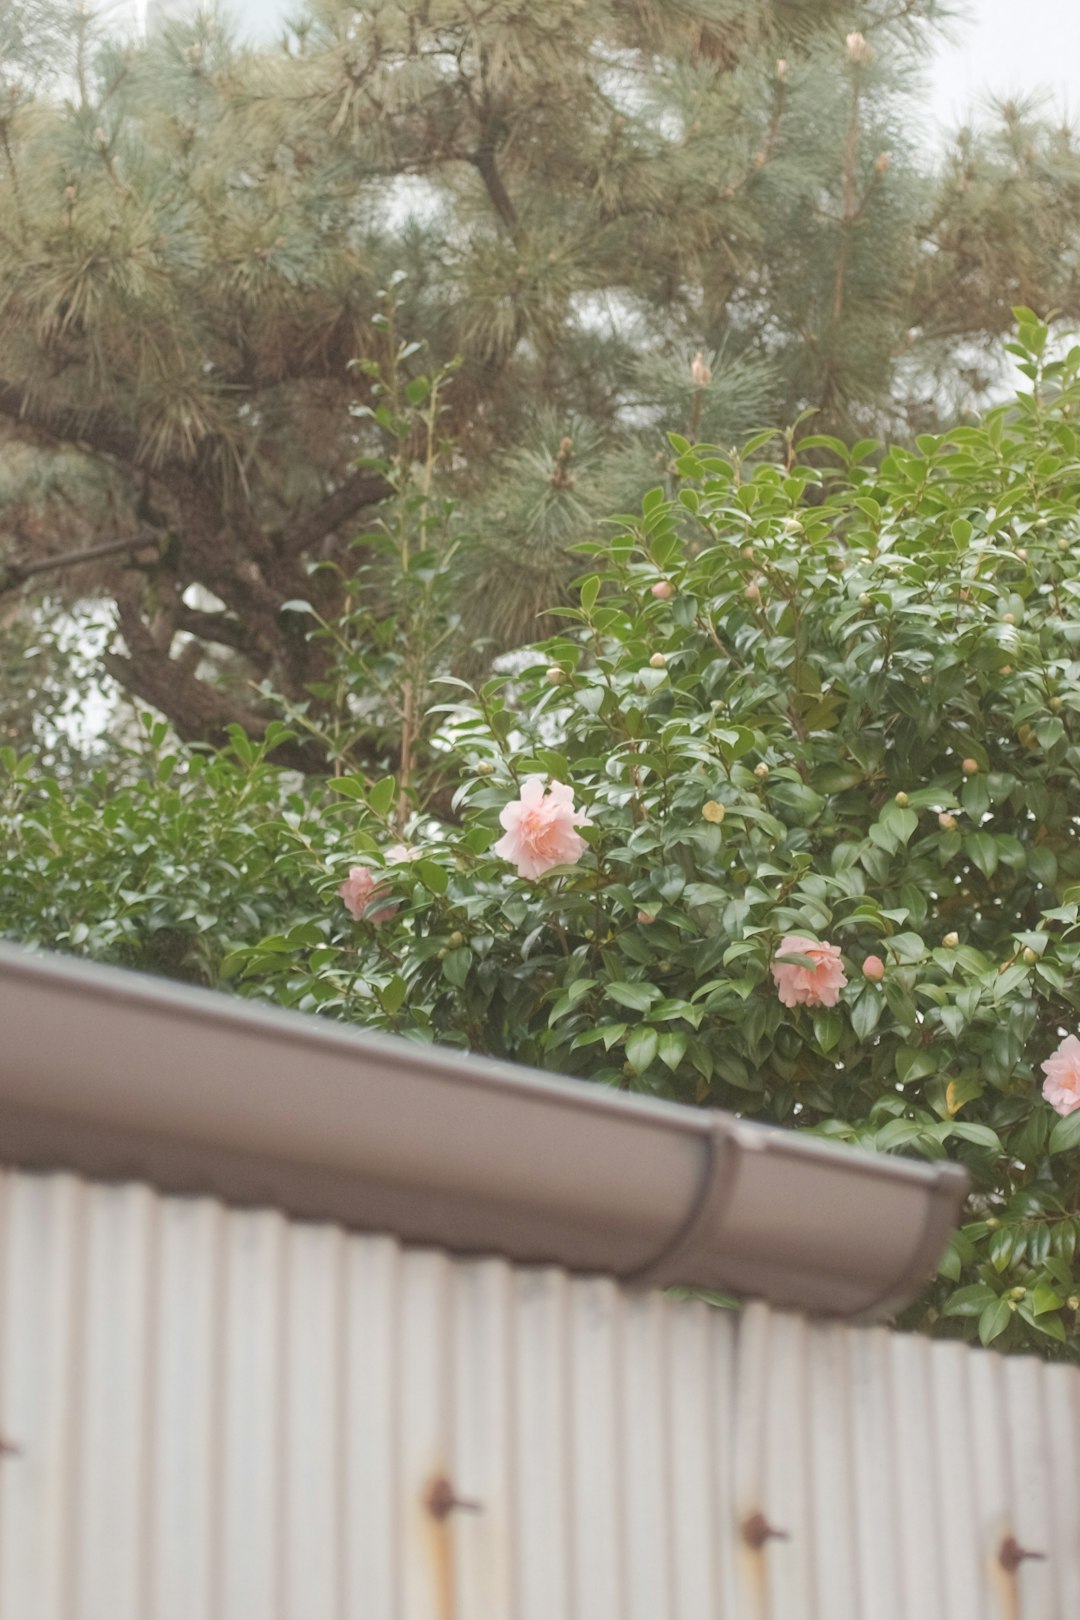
[[126, 1077]]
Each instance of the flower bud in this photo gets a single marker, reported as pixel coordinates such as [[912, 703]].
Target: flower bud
[[873, 968], [700, 372], [951, 941], [1008, 618], [713, 812], [970, 767], [645, 918], [657, 661], [484, 767], [901, 799], [947, 821], [859, 49], [1055, 703], [1063, 544], [1021, 552], [556, 676], [1030, 956], [761, 771], [864, 598], [753, 591], [456, 940], [663, 590]]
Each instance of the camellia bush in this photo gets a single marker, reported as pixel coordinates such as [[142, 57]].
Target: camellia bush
[[784, 821]]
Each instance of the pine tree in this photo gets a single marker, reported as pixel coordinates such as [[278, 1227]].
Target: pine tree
[[627, 217]]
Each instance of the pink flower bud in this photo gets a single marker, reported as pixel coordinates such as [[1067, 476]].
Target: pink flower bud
[[970, 767], [873, 968], [947, 821], [663, 589]]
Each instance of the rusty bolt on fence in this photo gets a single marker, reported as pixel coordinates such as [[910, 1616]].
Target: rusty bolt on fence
[[1011, 1555], [756, 1531], [441, 1499]]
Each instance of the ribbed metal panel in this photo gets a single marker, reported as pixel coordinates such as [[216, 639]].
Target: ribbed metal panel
[[226, 1415]]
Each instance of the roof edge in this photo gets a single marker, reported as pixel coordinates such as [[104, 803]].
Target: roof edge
[[119, 1076]]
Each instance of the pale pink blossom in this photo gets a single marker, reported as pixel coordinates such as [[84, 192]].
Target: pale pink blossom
[[401, 852], [873, 968], [1061, 1088], [540, 828], [818, 985], [359, 890]]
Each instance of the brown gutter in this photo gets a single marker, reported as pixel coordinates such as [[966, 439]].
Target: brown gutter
[[116, 1075]]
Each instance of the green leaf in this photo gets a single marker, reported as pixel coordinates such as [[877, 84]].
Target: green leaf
[[982, 851], [970, 1301], [393, 994], [981, 1135], [828, 1028], [899, 821], [672, 1048], [866, 1013], [1065, 1136], [432, 876], [994, 1320], [456, 965], [381, 796], [641, 1047], [638, 997]]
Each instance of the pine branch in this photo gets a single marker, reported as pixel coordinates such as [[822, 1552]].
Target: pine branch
[[483, 160], [221, 628], [13, 575], [198, 711], [358, 491], [66, 425]]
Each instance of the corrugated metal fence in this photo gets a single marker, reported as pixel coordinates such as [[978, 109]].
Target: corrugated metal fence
[[227, 1415]]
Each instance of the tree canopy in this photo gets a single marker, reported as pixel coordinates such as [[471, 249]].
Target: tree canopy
[[574, 199]]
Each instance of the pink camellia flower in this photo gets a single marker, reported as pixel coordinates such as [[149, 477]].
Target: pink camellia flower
[[359, 890], [873, 968], [540, 828], [1061, 1088], [401, 852], [816, 985]]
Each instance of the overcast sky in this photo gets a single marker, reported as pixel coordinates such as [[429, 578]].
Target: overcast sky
[[1006, 47]]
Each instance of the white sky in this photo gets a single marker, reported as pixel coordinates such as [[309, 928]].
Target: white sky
[[1005, 47]]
